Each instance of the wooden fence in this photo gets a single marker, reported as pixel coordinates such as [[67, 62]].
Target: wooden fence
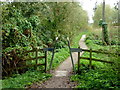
[[37, 57], [36, 51], [90, 57]]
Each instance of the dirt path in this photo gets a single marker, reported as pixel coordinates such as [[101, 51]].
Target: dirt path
[[61, 75]]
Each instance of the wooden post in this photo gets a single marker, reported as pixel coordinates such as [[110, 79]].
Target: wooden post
[[36, 58], [45, 61], [90, 58], [78, 61]]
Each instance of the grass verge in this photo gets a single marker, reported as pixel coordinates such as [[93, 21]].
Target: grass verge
[[20, 81]]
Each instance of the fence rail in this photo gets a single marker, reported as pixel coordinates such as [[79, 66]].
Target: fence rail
[[24, 67], [34, 58], [17, 66], [96, 60], [92, 59], [103, 52]]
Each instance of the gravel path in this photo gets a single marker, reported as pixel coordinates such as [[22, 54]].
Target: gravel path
[[61, 75]]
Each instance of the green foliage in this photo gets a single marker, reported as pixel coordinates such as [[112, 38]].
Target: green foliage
[[100, 22], [114, 35], [75, 40], [96, 79], [60, 56], [36, 24], [102, 75], [63, 53], [26, 79], [25, 23], [110, 15]]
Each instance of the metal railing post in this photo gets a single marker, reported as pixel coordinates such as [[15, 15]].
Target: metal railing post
[[78, 61]]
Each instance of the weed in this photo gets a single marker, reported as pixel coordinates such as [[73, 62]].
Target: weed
[[20, 81], [101, 75]]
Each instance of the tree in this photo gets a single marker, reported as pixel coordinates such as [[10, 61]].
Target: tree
[[45, 20], [103, 14], [110, 14]]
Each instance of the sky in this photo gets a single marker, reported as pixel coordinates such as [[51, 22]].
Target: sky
[[88, 5]]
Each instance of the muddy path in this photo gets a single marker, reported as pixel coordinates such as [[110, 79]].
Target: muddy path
[[61, 75]]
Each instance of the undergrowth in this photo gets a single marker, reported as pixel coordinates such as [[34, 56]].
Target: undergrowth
[[32, 76], [102, 75], [20, 81]]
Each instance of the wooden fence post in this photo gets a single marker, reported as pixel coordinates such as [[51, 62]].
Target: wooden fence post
[[45, 61], [36, 58], [78, 61], [90, 58]]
